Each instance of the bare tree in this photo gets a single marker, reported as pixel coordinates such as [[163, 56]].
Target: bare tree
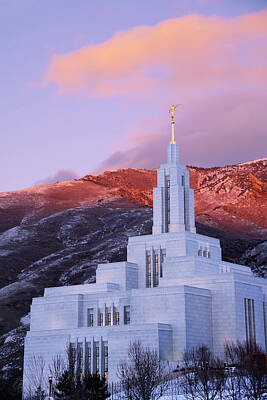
[[203, 376], [35, 375], [250, 369], [57, 367], [233, 382], [143, 375]]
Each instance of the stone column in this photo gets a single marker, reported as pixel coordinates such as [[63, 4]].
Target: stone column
[[159, 263], [104, 315], [93, 355], [152, 266], [121, 309], [84, 356], [112, 313], [96, 314], [101, 357]]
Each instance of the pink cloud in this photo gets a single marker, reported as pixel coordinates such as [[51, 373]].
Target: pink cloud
[[216, 66], [184, 55]]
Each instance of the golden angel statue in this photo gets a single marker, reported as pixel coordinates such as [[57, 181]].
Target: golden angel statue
[[172, 110]]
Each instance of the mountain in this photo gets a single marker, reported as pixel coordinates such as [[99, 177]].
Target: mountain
[[52, 235], [231, 198]]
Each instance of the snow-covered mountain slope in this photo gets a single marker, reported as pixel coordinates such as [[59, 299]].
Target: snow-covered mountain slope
[[231, 198], [23, 207]]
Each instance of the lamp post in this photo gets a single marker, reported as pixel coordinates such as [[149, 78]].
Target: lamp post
[[50, 389], [50, 385]]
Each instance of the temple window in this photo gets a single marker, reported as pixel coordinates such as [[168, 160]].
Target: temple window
[[89, 359], [97, 359], [126, 315], [101, 319], [156, 270], [168, 208], [106, 361], [250, 320], [90, 317], [148, 270], [117, 318], [163, 256], [265, 323], [206, 253], [80, 357]]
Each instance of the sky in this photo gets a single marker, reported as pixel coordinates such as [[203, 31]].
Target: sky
[[86, 85]]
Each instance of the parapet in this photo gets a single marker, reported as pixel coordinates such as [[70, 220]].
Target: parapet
[[124, 274]]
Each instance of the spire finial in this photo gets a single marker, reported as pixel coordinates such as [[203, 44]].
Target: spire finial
[[172, 112]]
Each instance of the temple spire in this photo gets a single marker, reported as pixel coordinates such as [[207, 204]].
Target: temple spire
[[172, 112]]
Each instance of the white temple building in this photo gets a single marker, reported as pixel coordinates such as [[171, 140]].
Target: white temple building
[[173, 292]]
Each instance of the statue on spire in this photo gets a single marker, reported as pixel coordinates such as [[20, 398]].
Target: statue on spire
[[172, 112]]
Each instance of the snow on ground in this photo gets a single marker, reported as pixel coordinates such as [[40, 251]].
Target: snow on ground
[[26, 319], [166, 397], [253, 161]]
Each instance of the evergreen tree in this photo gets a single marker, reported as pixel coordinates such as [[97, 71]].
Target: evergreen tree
[[39, 394], [92, 387], [95, 387], [65, 388]]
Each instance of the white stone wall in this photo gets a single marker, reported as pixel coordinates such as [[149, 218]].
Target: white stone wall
[[46, 345], [244, 290], [63, 312], [198, 314], [124, 274]]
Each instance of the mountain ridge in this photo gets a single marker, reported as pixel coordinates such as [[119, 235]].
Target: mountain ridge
[[231, 198]]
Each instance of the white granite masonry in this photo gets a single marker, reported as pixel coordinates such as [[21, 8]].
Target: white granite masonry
[[173, 292]]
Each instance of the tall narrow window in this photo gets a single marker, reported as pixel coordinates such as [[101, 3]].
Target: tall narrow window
[[163, 256], [126, 315], [250, 320], [206, 251], [156, 270], [265, 324], [72, 353], [108, 317], [182, 180], [90, 317], [97, 359], [117, 318], [200, 252], [80, 357], [106, 361], [89, 359], [101, 319], [148, 269], [168, 218]]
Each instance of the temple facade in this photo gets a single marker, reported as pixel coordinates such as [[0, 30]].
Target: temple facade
[[173, 292]]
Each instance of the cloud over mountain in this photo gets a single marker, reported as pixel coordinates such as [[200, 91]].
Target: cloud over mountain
[[60, 176]]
